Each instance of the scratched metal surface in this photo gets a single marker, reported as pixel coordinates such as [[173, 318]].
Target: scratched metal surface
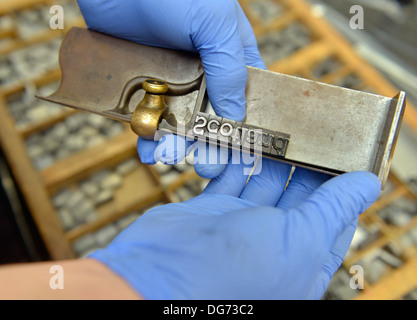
[[333, 129], [330, 126], [96, 67]]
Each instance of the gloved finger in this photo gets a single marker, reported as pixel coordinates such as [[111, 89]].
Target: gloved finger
[[151, 22], [322, 217], [209, 160], [334, 261], [266, 187], [332, 208], [146, 149], [250, 45], [302, 184], [171, 149], [209, 27], [252, 58], [220, 46], [233, 178]]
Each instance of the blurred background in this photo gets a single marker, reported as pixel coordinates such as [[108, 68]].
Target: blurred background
[[71, 181]]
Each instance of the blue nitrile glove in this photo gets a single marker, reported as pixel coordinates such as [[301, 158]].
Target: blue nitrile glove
[[217, 29], [237, 241]]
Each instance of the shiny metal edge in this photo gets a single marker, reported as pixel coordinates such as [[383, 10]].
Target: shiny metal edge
[[392, 132]]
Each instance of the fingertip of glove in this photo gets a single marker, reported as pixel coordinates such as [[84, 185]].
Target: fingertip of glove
[[146, 150], [146, 158], [364, 183], [232, 111], [256, 62], [209, 171], [367, 182]]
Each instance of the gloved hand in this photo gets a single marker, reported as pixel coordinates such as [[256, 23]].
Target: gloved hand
[[218, 30], [245, 241]]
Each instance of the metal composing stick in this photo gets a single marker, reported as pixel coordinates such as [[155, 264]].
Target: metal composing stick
[[302, 122]]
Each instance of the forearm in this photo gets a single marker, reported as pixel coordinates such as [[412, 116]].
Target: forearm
[[72, 279]]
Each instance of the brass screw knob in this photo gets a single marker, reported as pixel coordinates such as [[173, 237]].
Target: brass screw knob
[[148, 113], [155, 86]]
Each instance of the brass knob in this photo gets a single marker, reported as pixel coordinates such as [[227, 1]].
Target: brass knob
[[155, 86], [147, 115]]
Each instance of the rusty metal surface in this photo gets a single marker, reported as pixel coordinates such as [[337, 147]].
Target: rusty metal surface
[[96, 68], [316, 125]]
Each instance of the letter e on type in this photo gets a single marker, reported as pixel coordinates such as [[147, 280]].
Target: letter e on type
[[57, 280], [357, 20], [57, 20]]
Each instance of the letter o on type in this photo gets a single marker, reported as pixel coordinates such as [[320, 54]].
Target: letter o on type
[[229, 131]]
